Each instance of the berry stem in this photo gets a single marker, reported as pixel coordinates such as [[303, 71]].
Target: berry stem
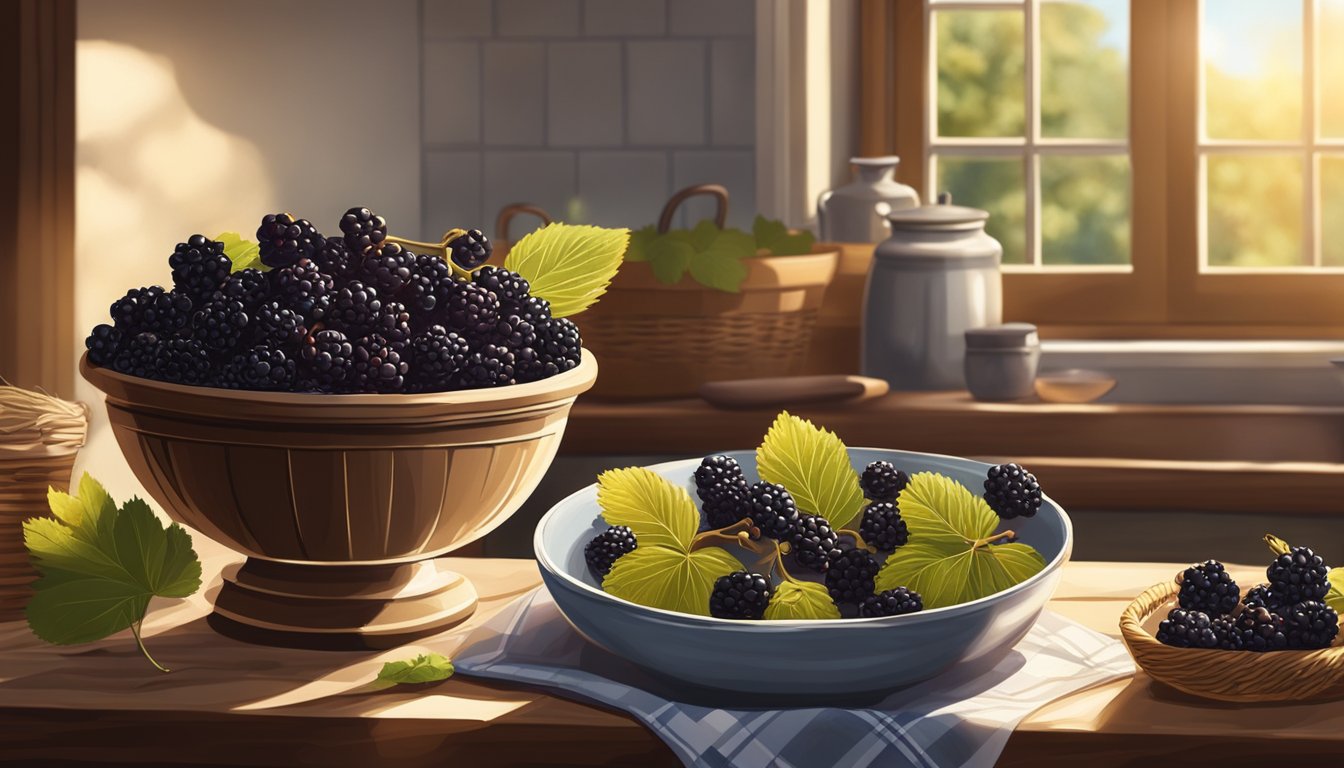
[[857, 539], [738, 533], [1276, 545], [440, 248]]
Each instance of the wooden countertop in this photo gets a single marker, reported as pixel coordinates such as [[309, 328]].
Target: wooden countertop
[[236, 704], [1246, 458]]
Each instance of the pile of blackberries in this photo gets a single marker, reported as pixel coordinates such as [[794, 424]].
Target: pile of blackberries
[[354, 313]]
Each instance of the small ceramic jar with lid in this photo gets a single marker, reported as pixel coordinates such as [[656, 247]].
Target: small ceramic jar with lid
[[1001, 361]]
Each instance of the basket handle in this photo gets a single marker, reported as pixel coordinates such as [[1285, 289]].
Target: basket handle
[[506, 215], [716, 191]]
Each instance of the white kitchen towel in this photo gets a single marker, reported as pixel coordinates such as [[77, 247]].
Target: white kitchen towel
[[962, 718]]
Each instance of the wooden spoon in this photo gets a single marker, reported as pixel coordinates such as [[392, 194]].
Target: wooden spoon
[[791, 390]]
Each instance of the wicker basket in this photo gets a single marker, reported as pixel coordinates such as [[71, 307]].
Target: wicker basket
[[1236, 676], [657, 340]]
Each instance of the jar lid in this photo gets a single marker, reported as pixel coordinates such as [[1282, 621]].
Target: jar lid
[[935, 216], [881, 161], [1004, 336]]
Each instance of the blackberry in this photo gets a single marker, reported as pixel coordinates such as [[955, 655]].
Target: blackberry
[[1208, 587], [247, 286], [388, 268], [514, 332], [534, 310], [740, 595], [814, 543], [471, 250], [151, 309], [334, 259], [138, 356], [219, 325], [723, 492], [363, 229], [282, 240], [1258, 630], [304, 288], [1225, 630], [436, 356], [1263, 597], [102, 344], [491, 366], [882, 481], [1187, 629], [377, 366], [354, 308], [183, 361], [278, 326], [560, 343], [511, 288], [199, 266], [391, 321], [326, 361], [422, 290], [850, 576], [1012, 491], [893, 602], [772, 510], [469, 309], [1310, 625], [606, 548], [883, 527], [261, 368], [1299, 575], [528, 365]]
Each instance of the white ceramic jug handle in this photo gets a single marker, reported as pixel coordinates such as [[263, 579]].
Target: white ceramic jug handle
[[821, 214]]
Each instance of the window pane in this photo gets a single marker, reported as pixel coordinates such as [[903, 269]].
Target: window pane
[[980, 73], [1330, 54], [1332, 202], [1085, 69], [1252, 52], [1084, 209], [998, 185], [1255, 211]]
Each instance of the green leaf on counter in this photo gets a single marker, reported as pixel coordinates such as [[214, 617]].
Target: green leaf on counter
[[244, 254], [657, 511], [813, 465], [100, 566], [669, 578], [801, 600], [946, 572], [425, 668], [569, 265]]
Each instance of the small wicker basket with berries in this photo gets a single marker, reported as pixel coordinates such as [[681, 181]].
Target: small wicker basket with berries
[[1275, 641]]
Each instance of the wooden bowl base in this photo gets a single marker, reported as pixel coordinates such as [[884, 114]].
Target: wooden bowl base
[[339, 607]]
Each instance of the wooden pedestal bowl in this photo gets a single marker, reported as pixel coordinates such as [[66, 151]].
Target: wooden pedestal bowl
[[340, 502]]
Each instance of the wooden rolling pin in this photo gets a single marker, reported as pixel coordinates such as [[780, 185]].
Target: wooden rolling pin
[[791, 390]]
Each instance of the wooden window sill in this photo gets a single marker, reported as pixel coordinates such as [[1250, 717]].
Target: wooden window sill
[[1213, 457]]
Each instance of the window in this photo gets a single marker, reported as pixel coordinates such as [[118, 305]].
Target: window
[[1152, 167]]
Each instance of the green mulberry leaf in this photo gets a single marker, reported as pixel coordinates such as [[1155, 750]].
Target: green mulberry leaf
[[640, 240], [98, 574], [244, 254], [569, 265], [669, 258], [946, 572], [936, 507], [668, 578], [425, 668], [813, 465], [774, 237], [801, 600], [658, 512]]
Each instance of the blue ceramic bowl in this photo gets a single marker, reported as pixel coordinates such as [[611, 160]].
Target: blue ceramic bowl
[[798, 659]]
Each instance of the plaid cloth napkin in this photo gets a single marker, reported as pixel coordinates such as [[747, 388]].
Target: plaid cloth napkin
[[962, 718]]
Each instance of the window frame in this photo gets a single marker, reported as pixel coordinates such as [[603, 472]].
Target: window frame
[[1167, 293]]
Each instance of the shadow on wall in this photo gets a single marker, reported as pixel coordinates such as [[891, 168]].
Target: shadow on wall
[[149, 172]]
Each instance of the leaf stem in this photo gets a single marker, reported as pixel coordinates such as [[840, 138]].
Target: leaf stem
[[857, 539], [1276, 545], [135, 630], [995, 539], [729, 534]]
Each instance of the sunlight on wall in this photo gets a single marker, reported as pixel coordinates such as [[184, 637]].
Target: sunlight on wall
[[149, 173]]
